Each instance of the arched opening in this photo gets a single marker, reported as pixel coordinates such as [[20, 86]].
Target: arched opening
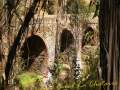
[[90, 55], [67, 40], [35, 56], [88, 37], [67, 54]]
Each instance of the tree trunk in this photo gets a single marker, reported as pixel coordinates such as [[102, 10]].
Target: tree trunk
[[109, 20]]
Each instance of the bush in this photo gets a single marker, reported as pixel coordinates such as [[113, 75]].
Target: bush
[[29, 80]]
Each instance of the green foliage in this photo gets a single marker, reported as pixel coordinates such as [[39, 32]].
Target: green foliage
[[61, 65], [58, 65], [90, 57], [79, 11], [28, 79], [21, 9], [72, 7], [78, 7], [96, 6], [85, 11]]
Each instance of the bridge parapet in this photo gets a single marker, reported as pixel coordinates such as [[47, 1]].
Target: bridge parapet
[[51, 20]]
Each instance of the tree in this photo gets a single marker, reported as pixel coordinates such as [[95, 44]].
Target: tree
[[13, 48], [109, 24]]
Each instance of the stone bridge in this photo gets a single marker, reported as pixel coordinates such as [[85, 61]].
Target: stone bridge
[[52, 35]]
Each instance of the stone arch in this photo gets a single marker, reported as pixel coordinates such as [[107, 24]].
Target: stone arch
[[88, 31], [35, 55], [66, 40], [67, 52]]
